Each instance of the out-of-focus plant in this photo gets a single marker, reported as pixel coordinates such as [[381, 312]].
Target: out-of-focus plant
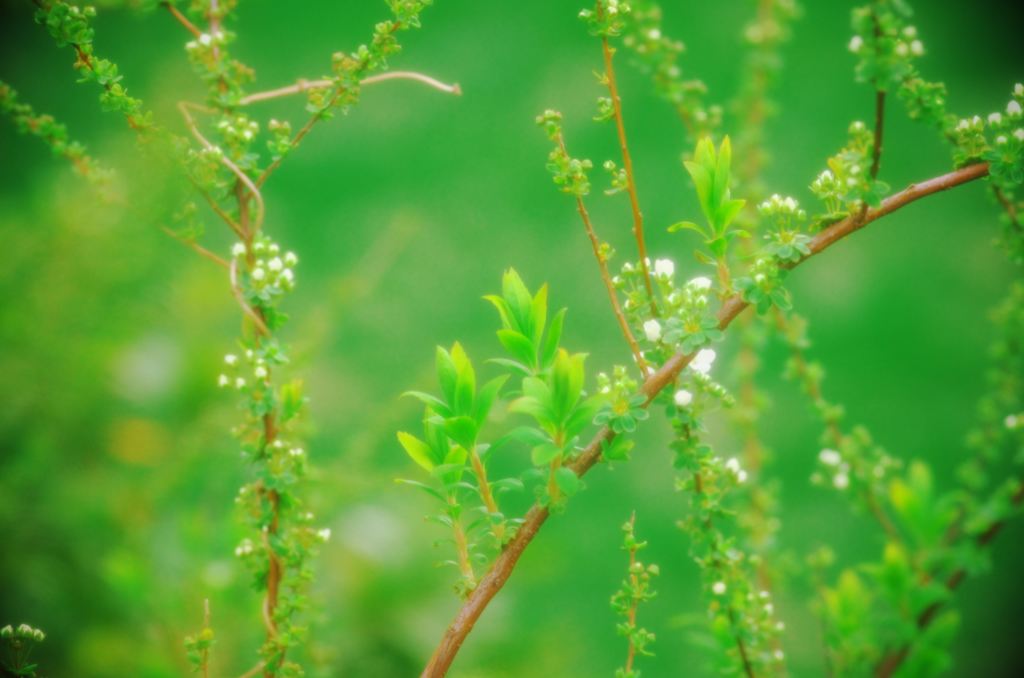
[[229, 153]]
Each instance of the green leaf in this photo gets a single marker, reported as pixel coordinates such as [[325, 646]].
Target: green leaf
[[465, 381], [485, 399], [462, 429], [446, 374], [688, 226], [567, 481], [553, 339], [539, 315], [544, 454], [430, 401], [518, 346], [417, 450]]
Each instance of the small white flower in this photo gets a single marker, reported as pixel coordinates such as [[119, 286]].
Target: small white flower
[[1019, 134], [238, 249], [851, 182], [683, 397], [703, 360], [223, 381], [733, 465], [779, 655], [287, 276], [764, 595], [205, 39], [910, 31], [664, 268], [995, 119], [1013, 108], [977, 121], [917, 48], [275, 264], [790, 204], [290, 259], [259, 246], [902, 49], [230, 359], [780, 626], [239, 383], [1011, 421], [1001, 139], [247, 134], [841, 481], [1018, 89], [324, 534], [258, 274], [718, 588], [260, 372], [856, 42], [654, 34], [963, 125], [741, 477], [830, 457], [700, 283], [769, 608], [296, 452], [652, 328]]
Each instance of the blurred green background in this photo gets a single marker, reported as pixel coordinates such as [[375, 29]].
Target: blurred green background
[[117, 472]]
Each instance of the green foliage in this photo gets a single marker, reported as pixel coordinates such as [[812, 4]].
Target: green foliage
[[711, 174]]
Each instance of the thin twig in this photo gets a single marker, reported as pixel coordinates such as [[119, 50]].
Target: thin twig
[[184, 107], [304, 85], [237, 291], [606, 277], [199, 249], [505, 563], [182, 19], [627, 164]]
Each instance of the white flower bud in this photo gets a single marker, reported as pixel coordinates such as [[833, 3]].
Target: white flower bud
[[841, 481], [700, 283], [260, 372], [652, 328], [830, 457], [683, 397], [703, 360], [258, 274], [664, 268], [917, 48], [1019, 134], [290, 259], [856, 42], [1013, 108], [275, 264], [324, 534], [238, 249], [205, 39], [230, 359], [718, 588], [223, 381]]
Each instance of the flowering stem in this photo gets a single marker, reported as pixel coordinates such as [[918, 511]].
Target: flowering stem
[[503, 566], [627, 163]]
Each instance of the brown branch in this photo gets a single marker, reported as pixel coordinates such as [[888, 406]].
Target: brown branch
[[505, 563], [627, 164]]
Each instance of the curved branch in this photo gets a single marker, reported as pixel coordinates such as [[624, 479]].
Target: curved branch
[[505, 563], [303, 85]]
